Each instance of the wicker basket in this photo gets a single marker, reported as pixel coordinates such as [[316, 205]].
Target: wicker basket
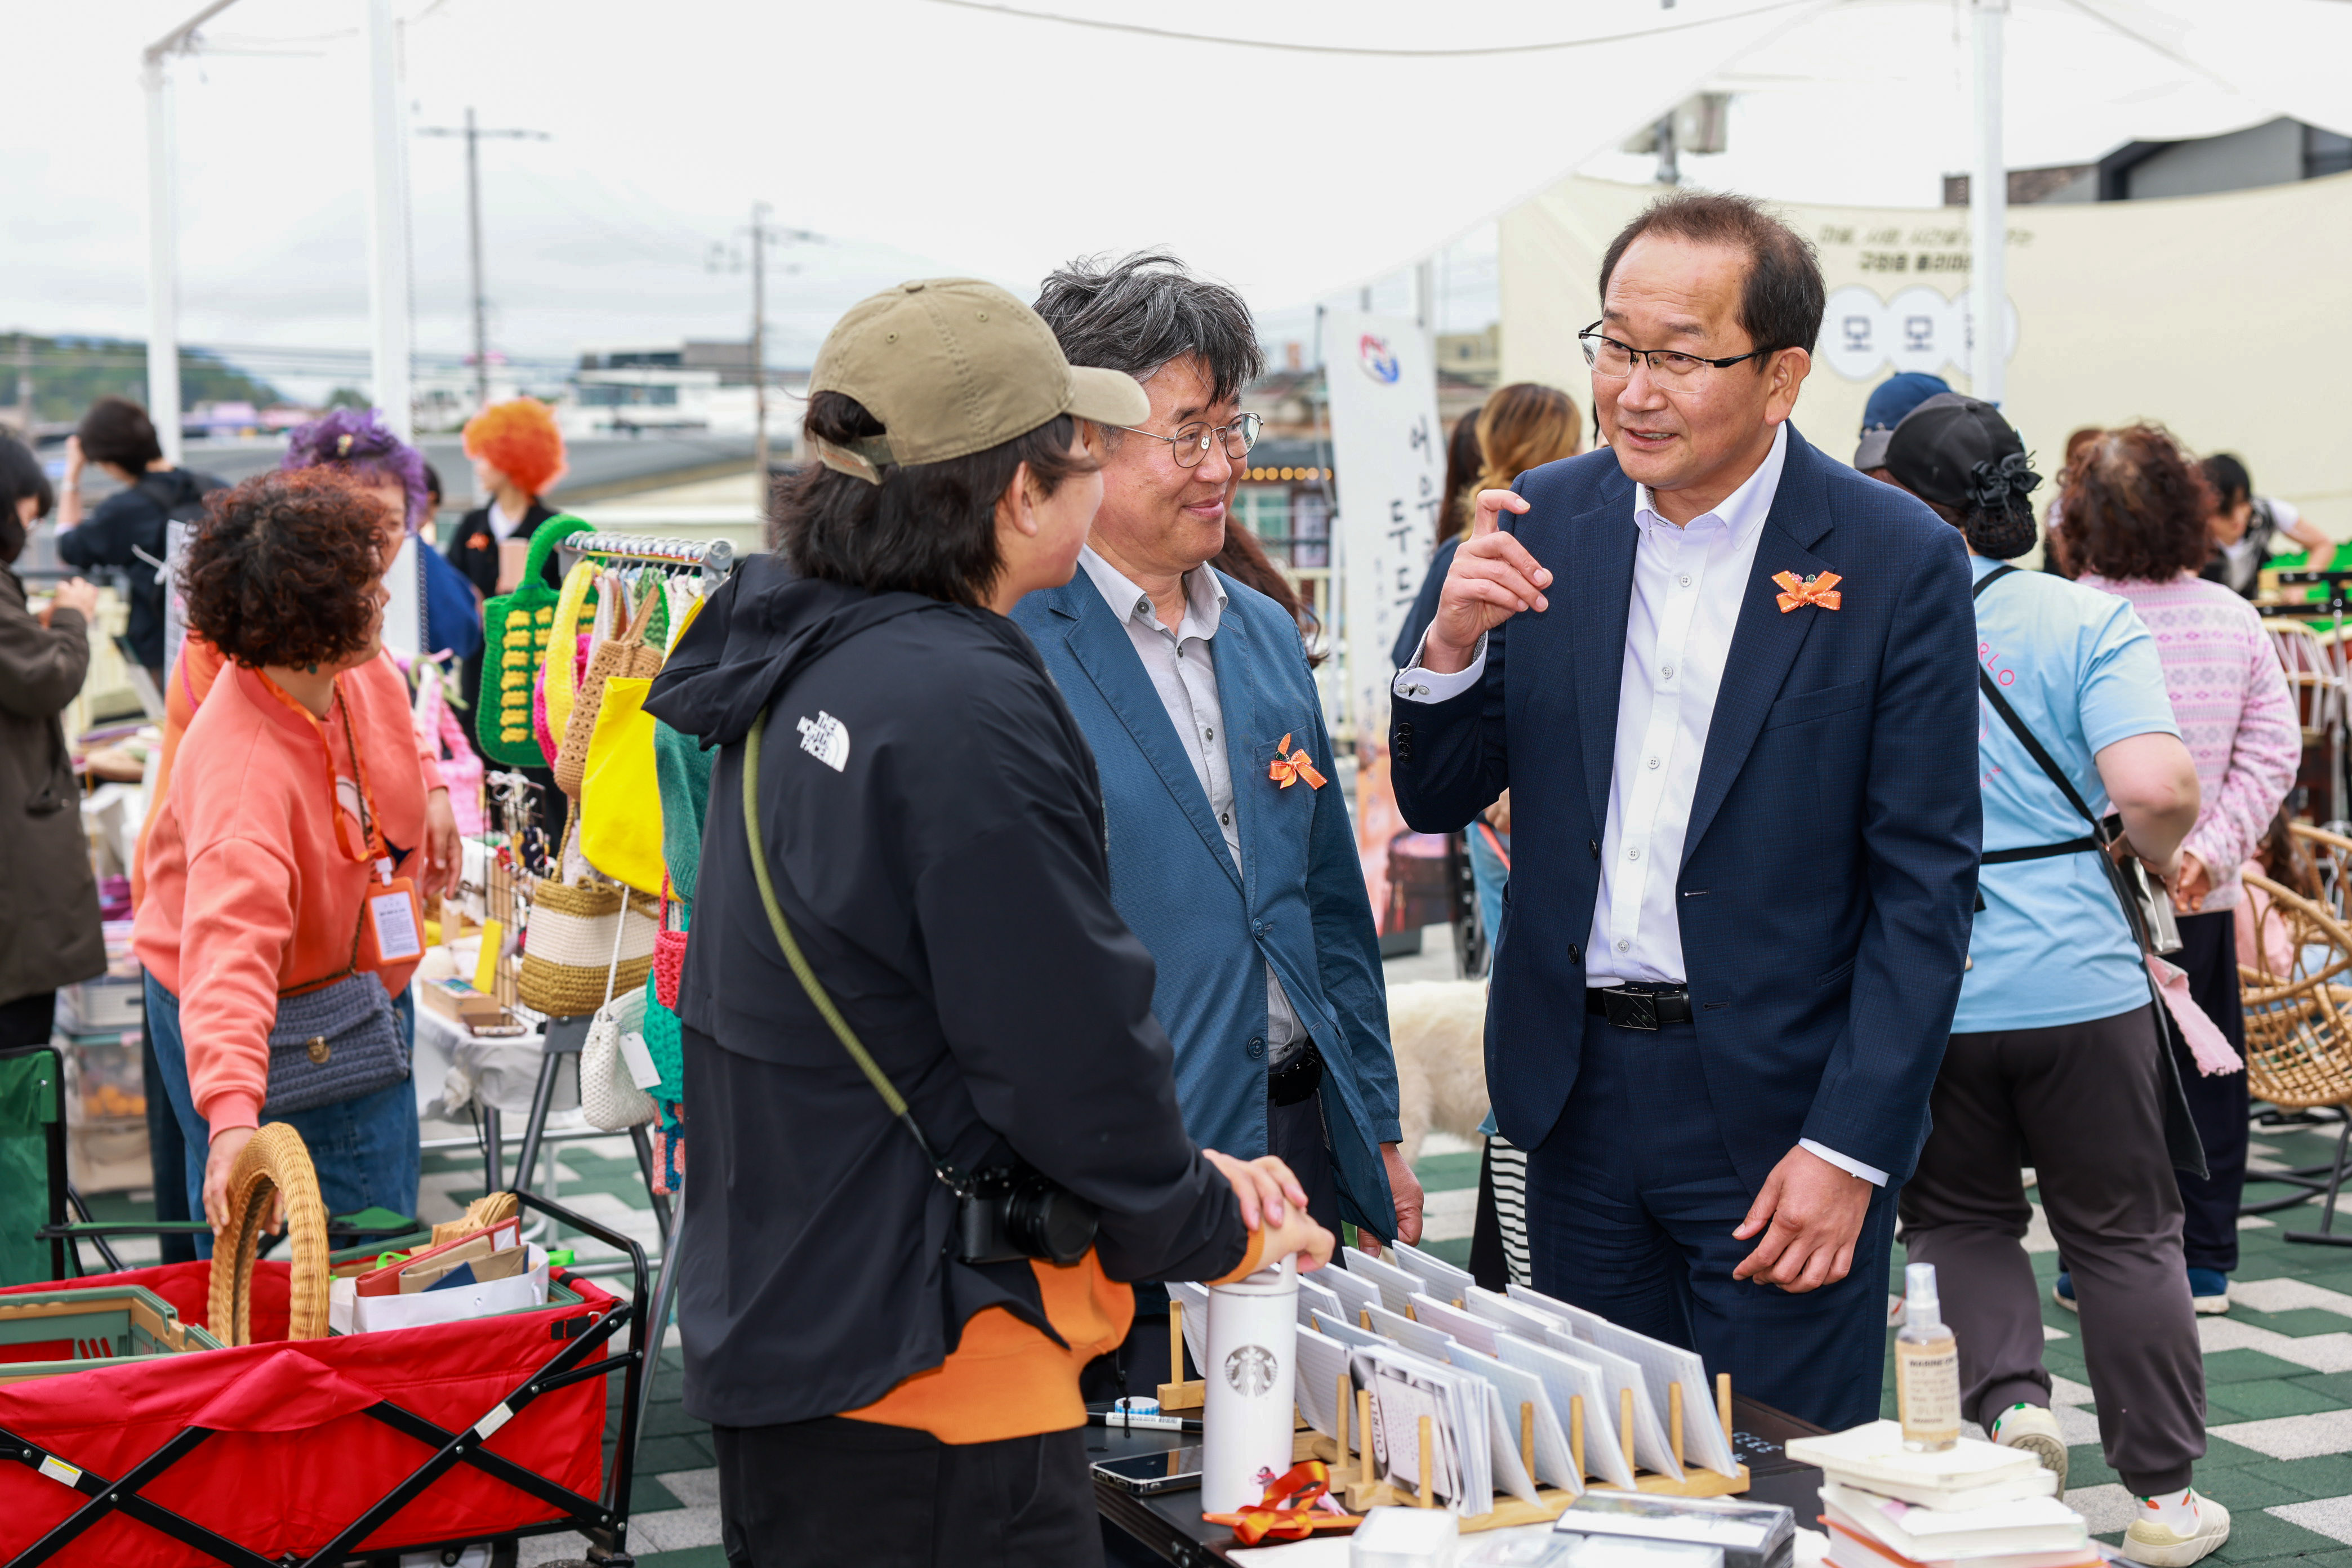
[[273, 1164], [2299, 1024], [567, 960]]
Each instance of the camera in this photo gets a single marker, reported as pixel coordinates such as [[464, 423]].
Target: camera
[[1012, 1212]]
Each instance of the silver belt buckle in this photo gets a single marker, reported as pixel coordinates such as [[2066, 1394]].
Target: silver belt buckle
[[1631, 1009]]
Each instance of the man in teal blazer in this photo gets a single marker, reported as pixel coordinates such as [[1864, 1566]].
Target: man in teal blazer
[[1195, 694]]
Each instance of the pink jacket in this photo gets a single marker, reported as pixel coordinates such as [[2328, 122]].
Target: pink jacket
[[2229, 698]]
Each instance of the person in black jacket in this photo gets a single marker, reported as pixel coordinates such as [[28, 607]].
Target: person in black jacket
[[933, 829], [517, 456], [126, 530]]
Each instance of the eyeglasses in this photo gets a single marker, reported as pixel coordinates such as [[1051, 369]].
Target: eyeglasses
[[1611, 358], [1190, 442]]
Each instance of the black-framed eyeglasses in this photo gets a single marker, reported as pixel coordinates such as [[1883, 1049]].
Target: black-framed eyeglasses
[[1611, 358], [1190, 442]]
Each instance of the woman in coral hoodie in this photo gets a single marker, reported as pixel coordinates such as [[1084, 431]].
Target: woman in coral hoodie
[[298, 779]]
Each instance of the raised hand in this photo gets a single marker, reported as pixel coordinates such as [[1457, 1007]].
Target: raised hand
[[1491, 579]]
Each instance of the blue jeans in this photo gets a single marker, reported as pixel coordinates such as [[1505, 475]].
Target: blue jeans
[[1487, 869], [366, 1149]]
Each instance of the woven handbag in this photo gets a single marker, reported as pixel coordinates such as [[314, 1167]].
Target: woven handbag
[[570, 945], [623, 657], [334, 1040], [514, 630]]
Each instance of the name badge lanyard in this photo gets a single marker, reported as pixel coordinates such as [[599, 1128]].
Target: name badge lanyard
[[392, 922]]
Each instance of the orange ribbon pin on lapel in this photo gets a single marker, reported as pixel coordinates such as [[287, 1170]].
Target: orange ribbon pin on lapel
[[1820, 591], [1290, 767]]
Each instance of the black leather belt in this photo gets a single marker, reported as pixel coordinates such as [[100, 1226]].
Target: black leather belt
[[1297, 1078], [1639, 1005]]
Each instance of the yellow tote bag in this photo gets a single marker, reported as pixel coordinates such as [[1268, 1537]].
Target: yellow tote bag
[[620, 798]]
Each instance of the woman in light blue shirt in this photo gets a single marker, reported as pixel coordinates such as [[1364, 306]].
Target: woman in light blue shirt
[[2055, 1060]]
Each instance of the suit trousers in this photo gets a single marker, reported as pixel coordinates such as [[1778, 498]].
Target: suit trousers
[[2209, 1235], [2084, 1105], [857, 1494], [1632, 1201]]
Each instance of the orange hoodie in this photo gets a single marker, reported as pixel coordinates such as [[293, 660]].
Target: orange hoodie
[[248, 893]]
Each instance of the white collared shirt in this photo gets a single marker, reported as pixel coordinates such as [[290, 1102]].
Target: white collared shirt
[[1183, 671], [1688, 585]]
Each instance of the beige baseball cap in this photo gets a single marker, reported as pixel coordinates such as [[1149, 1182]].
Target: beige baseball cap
[[952, 367]]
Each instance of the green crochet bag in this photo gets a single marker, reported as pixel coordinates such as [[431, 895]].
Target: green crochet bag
[[514, 645]]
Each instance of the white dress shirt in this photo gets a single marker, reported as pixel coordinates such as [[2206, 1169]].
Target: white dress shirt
[[1688, 585], [1183, 671]]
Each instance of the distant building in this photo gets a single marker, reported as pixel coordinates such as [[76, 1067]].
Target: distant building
[[2278, 152], [684, 387], [1476, 358]]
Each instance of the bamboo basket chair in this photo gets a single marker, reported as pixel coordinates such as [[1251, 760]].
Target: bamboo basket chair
[[2331, 857], [2299, 1032]]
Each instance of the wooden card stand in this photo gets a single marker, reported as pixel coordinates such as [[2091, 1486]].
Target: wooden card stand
[[1360, 1491], [1180, 1394]]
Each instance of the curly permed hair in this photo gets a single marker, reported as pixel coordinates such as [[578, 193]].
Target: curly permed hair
[[519, 440], [358, 441], [284, 569], [2135, 506]]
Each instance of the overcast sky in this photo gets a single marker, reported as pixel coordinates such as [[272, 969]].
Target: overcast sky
[[923, 138]]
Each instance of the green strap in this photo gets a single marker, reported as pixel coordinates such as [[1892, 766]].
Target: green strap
[[545, 538], [801, 970]]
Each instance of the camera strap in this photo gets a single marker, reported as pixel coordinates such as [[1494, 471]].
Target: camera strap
[[817, 995]]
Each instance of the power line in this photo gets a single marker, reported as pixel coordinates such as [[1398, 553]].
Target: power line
[[1487, 51]]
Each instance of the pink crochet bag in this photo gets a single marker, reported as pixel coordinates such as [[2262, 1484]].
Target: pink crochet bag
[[461, 765]]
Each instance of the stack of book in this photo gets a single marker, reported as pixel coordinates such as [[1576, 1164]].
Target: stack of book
[[1973, 1505]]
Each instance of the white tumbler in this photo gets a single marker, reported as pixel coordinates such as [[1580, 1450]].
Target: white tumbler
[[1252, 1372]]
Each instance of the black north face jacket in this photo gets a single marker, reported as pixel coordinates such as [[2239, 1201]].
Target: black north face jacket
[[935, 833]]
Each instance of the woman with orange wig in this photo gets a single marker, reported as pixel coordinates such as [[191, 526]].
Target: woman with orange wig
[[517, 456]]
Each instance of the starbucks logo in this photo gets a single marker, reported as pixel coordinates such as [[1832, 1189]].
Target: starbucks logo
[[1249, 1371]]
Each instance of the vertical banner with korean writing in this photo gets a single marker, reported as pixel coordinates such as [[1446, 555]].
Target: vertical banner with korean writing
[[1388, 455]]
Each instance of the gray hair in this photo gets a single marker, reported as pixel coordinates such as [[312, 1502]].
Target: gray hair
[[1139, 312]]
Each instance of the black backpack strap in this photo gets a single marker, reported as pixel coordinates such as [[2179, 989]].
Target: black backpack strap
[[2102, 833]]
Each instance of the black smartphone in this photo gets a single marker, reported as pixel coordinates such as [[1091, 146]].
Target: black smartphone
[[1176, 1471]]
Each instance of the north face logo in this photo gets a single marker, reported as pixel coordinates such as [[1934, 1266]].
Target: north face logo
[[826, 738]]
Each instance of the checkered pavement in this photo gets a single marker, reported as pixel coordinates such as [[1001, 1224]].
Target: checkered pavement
[[2278, 1368]]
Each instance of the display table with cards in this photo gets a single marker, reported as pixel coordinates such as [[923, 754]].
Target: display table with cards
[[1168, 1525]]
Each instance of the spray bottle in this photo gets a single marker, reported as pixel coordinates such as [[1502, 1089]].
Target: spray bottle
[[1926, 1366]]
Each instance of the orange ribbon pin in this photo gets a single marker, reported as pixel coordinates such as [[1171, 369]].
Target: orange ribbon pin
[[1820, 591], [1290, 767]]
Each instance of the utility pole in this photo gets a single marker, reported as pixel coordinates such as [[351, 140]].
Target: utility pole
[[473, 135], [761, 232], [760, 351]]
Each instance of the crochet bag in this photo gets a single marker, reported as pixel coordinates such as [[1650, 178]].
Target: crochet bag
[[333, 1042], [461, 765], [514, 633], [622, 657], [664, 1038], [565, 969], [620, 795]]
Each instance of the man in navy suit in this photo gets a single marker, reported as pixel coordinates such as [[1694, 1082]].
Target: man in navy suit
[[1738, 718]]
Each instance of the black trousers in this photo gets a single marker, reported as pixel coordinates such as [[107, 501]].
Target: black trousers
[[28, 1020], [2209, 1235], [814, 1494]]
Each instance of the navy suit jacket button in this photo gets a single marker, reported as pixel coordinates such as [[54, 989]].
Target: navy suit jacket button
[[1256, 1049], [1404, 729], [1594, 845], [1575, 953]]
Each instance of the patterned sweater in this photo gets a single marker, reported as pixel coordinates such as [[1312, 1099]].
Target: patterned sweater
[[2230, 697]]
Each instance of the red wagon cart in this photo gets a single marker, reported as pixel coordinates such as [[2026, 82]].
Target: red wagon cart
[[307, 1453]]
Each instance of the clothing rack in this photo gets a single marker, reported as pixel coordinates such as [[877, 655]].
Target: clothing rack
[[716, 557]]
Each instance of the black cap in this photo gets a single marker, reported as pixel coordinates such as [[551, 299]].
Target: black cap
[[1959, 452]]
